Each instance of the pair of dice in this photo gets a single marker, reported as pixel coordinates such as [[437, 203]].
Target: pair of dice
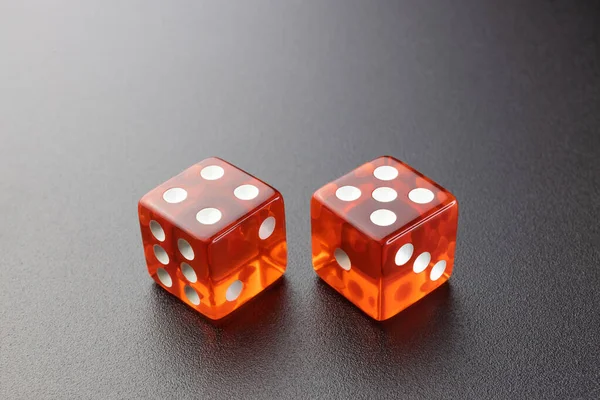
[[383, 236]]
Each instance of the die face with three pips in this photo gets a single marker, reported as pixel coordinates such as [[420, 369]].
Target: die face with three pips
[[214, 236], [383, 236]]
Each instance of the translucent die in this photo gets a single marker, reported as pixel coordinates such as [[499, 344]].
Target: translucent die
[[383, 236], [214, 236]]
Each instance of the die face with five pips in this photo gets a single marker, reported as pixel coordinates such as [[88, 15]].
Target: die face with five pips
[[383, 236], [214, 236]]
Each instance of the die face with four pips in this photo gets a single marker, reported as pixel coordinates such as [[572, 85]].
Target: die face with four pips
[[214, 236], [383, 236]]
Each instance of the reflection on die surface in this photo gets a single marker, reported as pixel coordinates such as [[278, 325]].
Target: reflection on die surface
[[383, 236], [214, 236]]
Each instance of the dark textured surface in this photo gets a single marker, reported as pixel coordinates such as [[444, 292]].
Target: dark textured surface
[[101, 102]]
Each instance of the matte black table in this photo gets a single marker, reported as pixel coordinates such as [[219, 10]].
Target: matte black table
[[497, 101]]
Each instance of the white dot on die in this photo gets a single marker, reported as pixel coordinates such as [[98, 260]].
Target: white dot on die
[[188, 272], [384, 194], [385, 173], [342, 259], [157, 231], [421, 196], [164, 277], [212, 172], [438, 270], [347, 193], [161, 255], [421, 262], [383, 217], [208, 216], [192, 295], [266, 228], [234, 290], [185, 249], [175, 195], [404, 254], [246, 192]]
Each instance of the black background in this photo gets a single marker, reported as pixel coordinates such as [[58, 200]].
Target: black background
[[101, 102]]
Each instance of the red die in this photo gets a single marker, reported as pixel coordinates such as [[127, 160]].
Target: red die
[[214, 236], [383, 236]]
